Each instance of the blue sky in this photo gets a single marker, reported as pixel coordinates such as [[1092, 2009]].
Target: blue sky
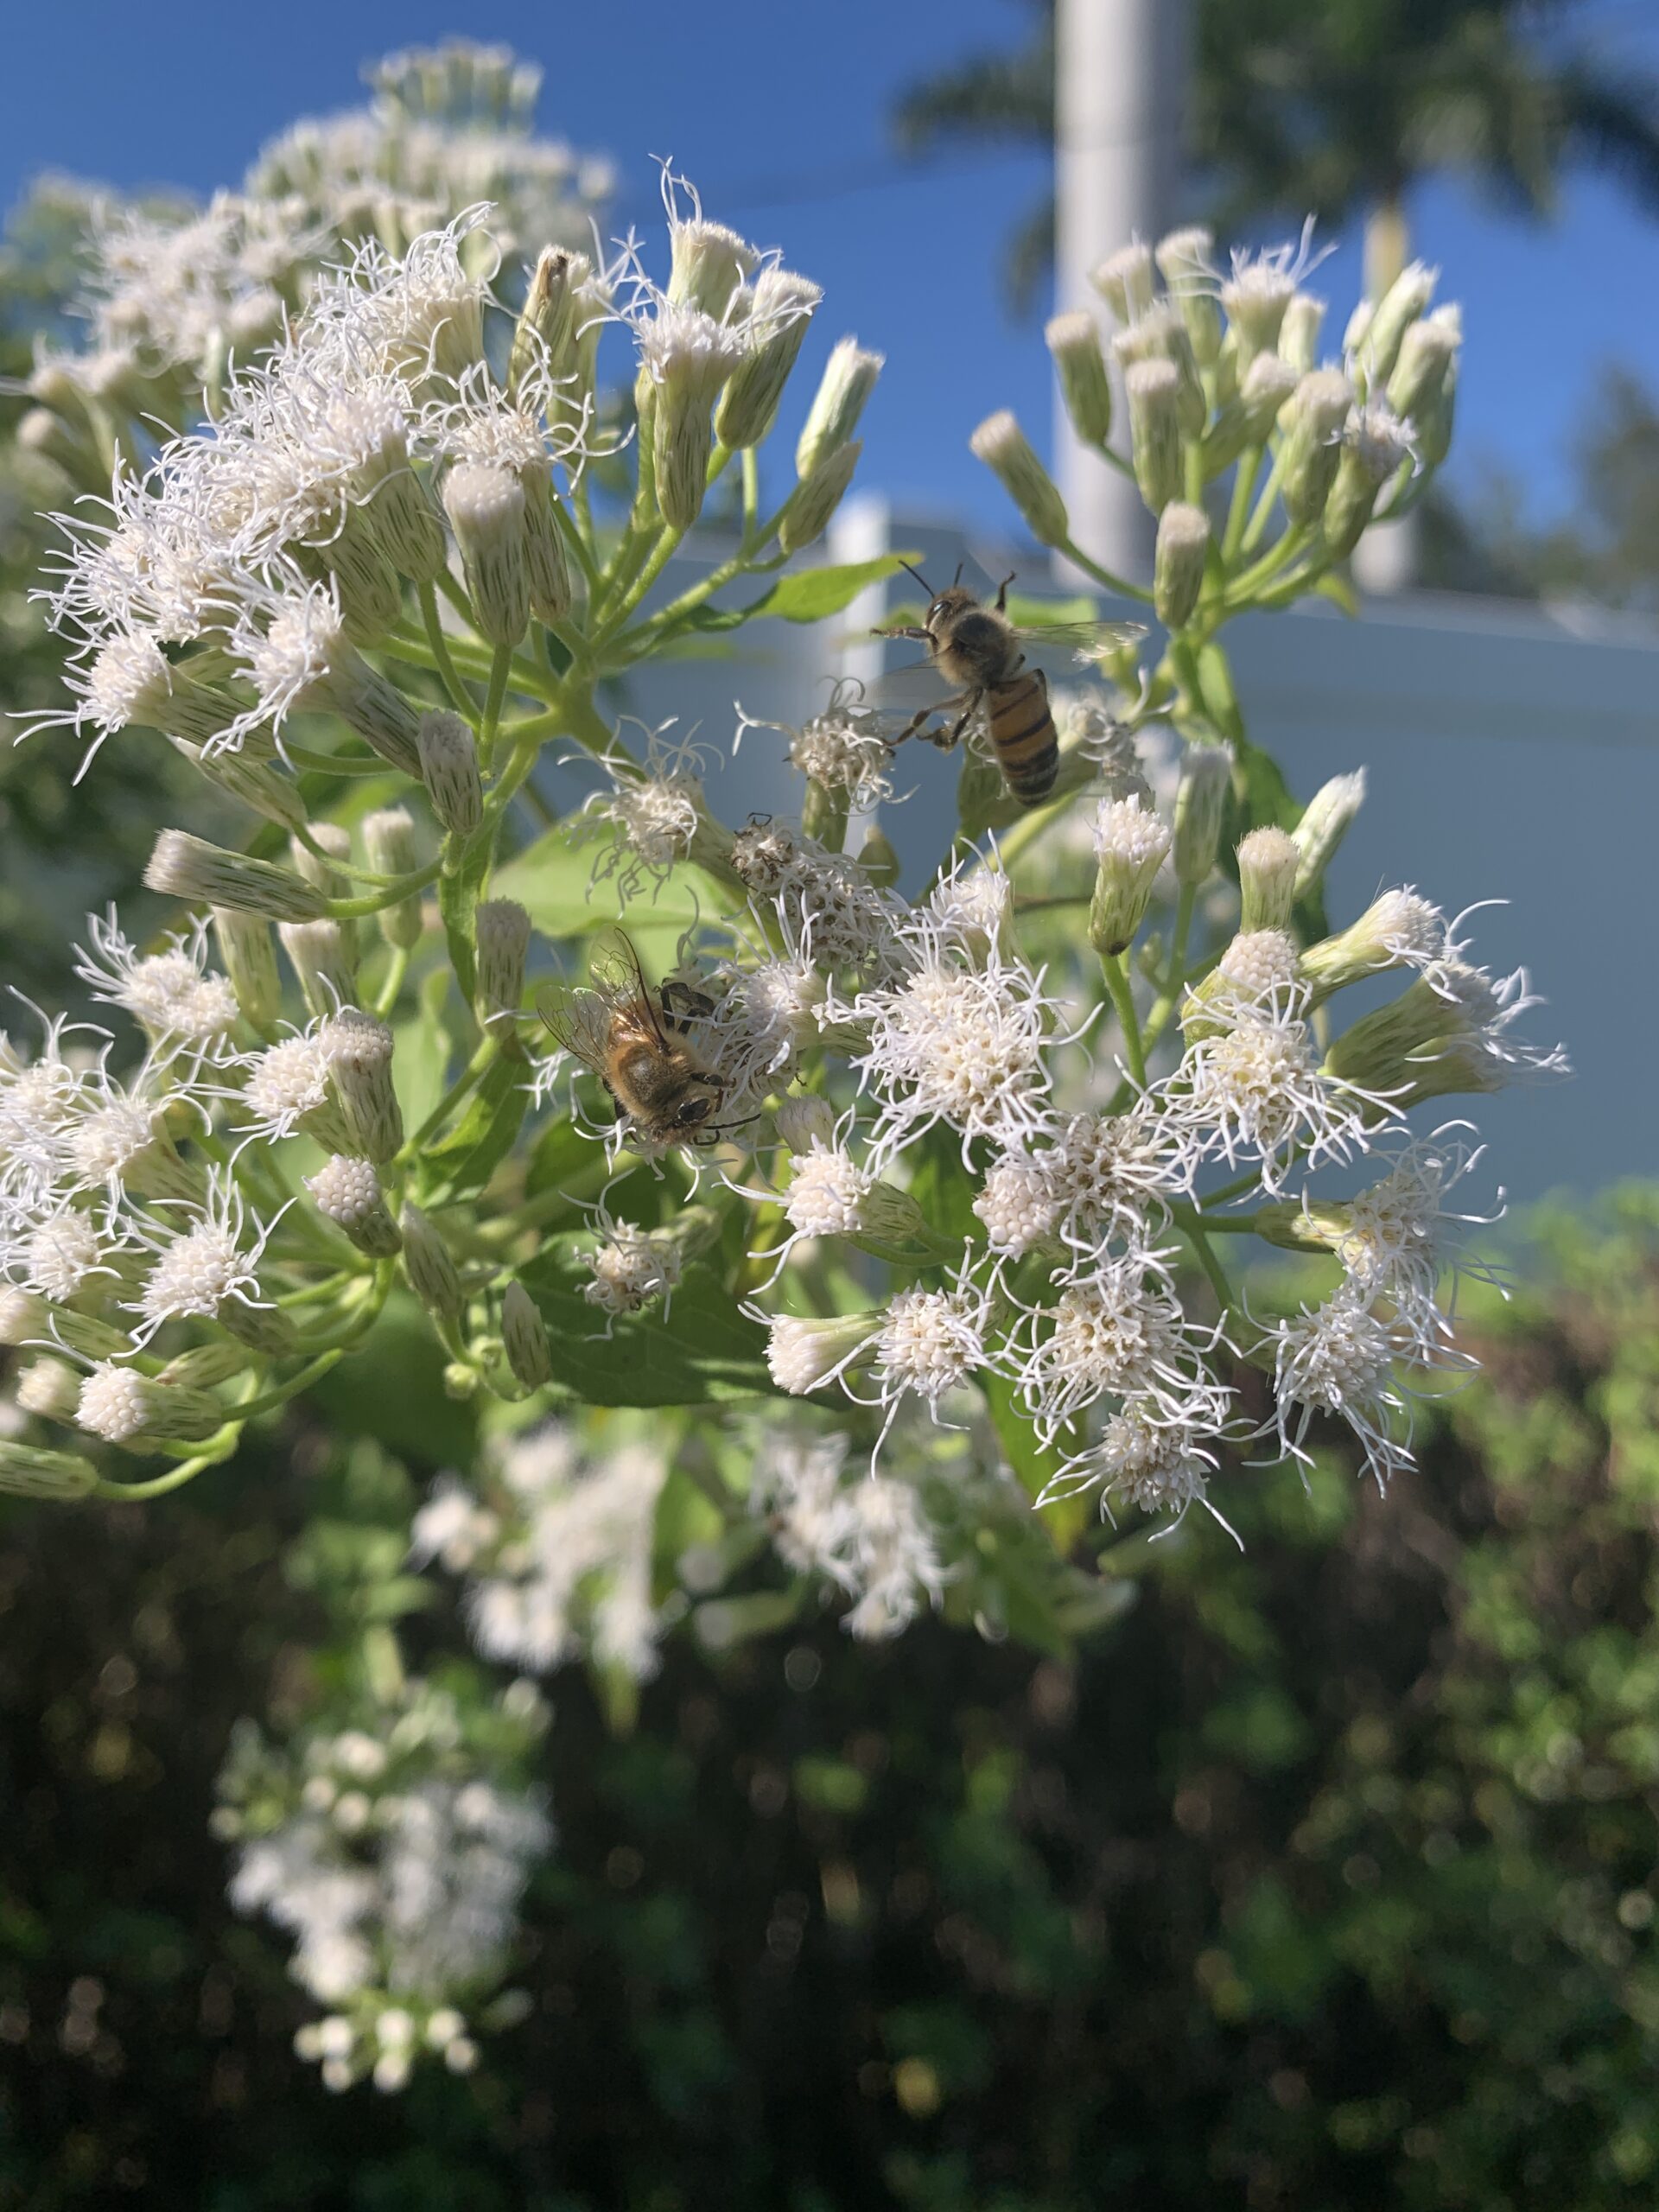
[[778, 113]]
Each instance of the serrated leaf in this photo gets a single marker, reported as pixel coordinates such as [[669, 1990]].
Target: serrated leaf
[[705, 1351], [461, 1164]]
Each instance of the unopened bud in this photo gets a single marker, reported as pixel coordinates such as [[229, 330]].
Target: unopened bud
[[880, 862], [804, 1122], [1258, 968], [1375, 447], [486, 507], [1406, 299], [1299, 334], [1249, 416], [1316, 411], [256, 784], [1397, 928], [432, 1275], [1003, 447], [1200, 801], [1269, 861], [1185, 259], [1324, 825], [249, 959], [1354, 330], [331, 843], [26, 1318], [1427, 352], [780, 310], [450, 771], [803, 1356], [461, 1380], [546, 570], [389, 841], [1124, 281], [324, 962], [503, 929], [204, 1367], [687, 357], [814, 500], [1074, 343], [849, 377], [1178, 563], [708, 263], [183, 867], [137, 1412], [1131, 844], [545, 332], [523, 1339], [1256, 299], [1154, 391], [49, 1389], [28, 1470], [347, 1193], [359, 1049], [1161, 336]]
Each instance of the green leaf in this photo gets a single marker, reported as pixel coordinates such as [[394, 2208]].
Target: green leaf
[[1034, 1467], [706, 1350], [552, 880], [463, 1162], [806, 595], [421, 1057]]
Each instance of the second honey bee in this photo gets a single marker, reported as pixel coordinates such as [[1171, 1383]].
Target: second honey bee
[[976, 648], [636, 1042]]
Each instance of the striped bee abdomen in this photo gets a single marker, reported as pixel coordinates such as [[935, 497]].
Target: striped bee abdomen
[[1023, 735]]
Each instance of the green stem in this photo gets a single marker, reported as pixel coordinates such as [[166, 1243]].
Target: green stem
[[158, 1485], [396, 890], [1264, 505], [751, 492], [1175, 975], [499, 669], [1249, 468], [459, 697], [333, 764], [1120, 585], [1114, 966], [668, 542], [446, 1105], [1194, 1231], [389, 991]]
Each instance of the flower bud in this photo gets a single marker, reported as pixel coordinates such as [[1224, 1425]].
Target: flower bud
[[1258, 968], [1267, 863], [880, 862], [805, 1121], [1074, 343], [26, 1318], [137, 1412], [431, 1274], [1354, 330], [545, 331], [486, 507], [323, 961], [1299, 334], [249, 959], [780, 310], [1324, 825], [523, 1339], [49, 1389], [803, 1356], [546, 570], [1249, 416], [1161, 335], [450, 771], [1178, 563], [183, 867], [1124, 281], [1002, 446], [1427, 353], [389, 841], [502, 947], [1375, 447], [1154, 391], [333, 843], [1184, 258], [1422, 1045], [1394, 928], [371, 435], [1406, 299], [365, 583], [204, 1367], [849, 379], [1317, 410], [1131, 844], [347, 1193], [688, 356], [1200, 801], [814, 500], [708, 264], [359, 1051], [255, 784], [28, 1470], [1255, 299]]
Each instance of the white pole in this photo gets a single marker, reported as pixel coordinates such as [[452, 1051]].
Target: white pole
[[1120, 80]]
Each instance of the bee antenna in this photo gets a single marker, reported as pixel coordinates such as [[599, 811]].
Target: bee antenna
[[917, 573], [956, 579]]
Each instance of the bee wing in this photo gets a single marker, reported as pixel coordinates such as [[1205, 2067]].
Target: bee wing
[[614, 966], [575, 1019], [1089, 641]]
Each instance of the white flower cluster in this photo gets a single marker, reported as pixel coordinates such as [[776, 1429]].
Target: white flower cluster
[[870, 1539], [556, 1549], [394, 1853]]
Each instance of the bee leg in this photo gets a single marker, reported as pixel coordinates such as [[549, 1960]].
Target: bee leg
[[680, 1003], [1002, 594], [906, 630]]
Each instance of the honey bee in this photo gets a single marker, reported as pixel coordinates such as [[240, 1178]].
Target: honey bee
[[637, 1042], [976, 648]]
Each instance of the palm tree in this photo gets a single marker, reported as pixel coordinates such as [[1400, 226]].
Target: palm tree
[[1336, 108]]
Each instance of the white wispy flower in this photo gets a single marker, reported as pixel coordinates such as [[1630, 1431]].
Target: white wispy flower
[[1254, 1089], [1142, 1460], [870, 1537], [653, 812], [956, 1041], [1340, 1358], [59, 1256], [632, 1268], [207, 1266], [176, 995], [1119, 1331], [844, 749]]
